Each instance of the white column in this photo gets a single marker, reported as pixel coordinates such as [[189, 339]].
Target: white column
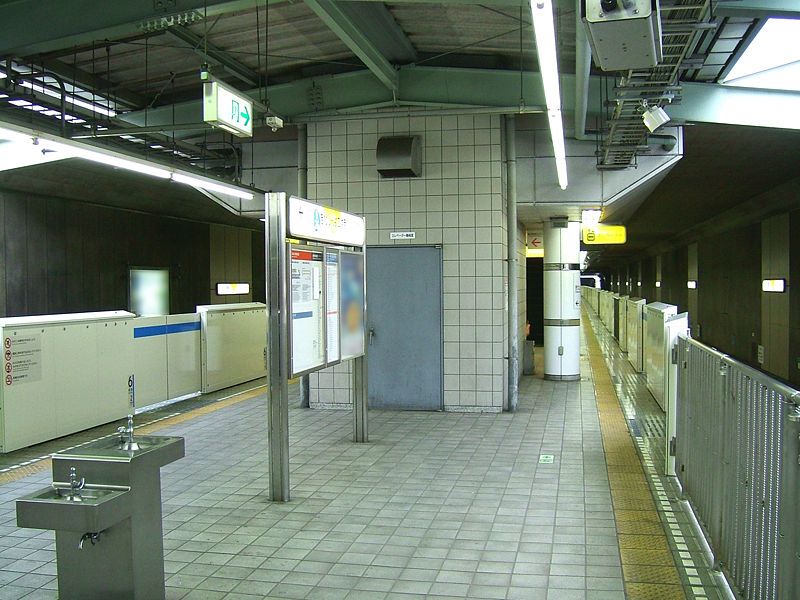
[[562, 299]]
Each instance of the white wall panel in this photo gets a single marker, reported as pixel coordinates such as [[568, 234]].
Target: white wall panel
[[233, 343], [149, 348], [183, 355]]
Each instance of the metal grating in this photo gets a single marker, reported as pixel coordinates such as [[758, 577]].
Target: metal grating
[[681, 23], [738, 461]]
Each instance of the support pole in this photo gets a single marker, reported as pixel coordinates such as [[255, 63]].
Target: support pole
[[360, 409], [277, 352], [513, 282], [562, 304], [360, 397]]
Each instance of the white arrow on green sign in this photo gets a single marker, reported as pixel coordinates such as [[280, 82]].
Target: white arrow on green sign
[[227, 109]]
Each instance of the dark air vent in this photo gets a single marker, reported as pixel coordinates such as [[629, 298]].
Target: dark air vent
[[399, 156]]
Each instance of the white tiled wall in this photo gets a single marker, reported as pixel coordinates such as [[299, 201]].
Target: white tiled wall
[[458, 202]]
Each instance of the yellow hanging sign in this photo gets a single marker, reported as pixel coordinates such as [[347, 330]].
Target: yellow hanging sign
[[604, 234]]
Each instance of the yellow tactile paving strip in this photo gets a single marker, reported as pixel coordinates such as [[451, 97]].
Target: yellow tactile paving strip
[[45, 464], [648, 567]]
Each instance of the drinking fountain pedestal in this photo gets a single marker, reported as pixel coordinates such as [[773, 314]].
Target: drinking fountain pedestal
[[126, 560]]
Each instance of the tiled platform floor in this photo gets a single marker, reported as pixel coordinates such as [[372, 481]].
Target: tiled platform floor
[[441, 505]]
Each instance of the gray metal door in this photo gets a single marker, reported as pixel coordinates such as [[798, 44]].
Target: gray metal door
[[404, 321]]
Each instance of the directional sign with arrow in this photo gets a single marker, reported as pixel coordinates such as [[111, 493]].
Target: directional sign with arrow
[[227, 108]]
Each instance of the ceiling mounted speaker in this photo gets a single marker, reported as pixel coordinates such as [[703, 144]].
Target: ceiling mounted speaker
[[624, 34], [654, 117], [399, 156]]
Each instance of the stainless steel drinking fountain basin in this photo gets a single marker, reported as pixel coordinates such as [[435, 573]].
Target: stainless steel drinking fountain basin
[[158, 449], [94, 510]]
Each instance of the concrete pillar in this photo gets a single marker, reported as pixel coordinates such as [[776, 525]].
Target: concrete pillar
[[562, 299]]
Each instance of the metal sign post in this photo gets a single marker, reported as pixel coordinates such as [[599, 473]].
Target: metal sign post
[[277, 348]]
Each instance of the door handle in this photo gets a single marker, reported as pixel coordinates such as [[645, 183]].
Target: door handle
[[371, 335]]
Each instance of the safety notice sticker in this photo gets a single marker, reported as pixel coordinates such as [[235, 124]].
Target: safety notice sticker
[[23, 358]]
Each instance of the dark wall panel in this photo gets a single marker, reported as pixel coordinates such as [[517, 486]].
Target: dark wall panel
[[794, 299], [649, 279], [729, 292], [64, 256], [259, 268], [16, 272], [674, 270], [534, 297]]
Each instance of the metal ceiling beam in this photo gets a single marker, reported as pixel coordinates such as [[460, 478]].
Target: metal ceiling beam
[[443, 86], [347, 31], [432, 86], [379, 25], [757, 8], [204, 49], [81, 22]]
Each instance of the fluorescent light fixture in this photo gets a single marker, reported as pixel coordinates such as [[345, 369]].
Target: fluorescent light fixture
[[772, 59], [773, 285], [638, 284], [658, 284], [92, 106], [591, 216], [211, 186], [691, 284], [69, 149], [121, 163], [232, 289], [542, 12]]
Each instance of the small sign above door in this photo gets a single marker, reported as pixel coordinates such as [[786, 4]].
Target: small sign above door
[[402, 235]]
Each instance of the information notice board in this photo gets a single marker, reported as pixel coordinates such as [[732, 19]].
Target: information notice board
[[307, 323], [352, 303], [332, 321]]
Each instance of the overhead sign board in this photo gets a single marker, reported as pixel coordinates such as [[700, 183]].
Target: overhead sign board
[[227, 109], [311, 221], [604, 234]]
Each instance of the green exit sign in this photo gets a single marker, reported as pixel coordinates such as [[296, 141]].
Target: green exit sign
[[227, 109]]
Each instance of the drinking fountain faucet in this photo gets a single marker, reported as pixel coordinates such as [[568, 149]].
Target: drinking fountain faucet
[[75, 486], [126, 440]]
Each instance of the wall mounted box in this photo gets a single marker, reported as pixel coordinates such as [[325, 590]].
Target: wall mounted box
[[399, 156]]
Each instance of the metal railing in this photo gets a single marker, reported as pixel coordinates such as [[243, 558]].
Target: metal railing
[[737, 457]]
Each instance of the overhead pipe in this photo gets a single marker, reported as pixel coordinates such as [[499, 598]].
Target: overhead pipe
[[583, 64], [513, 270]]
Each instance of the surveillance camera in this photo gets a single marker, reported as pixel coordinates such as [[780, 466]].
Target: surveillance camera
[[654, 117], [274, 122]]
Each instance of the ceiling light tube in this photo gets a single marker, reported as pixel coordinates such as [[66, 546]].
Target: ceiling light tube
[[542, 13], [211, 186], [37, 87], [108, 157]]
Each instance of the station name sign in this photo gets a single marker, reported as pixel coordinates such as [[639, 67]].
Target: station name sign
[[310, 221], [227, 109]]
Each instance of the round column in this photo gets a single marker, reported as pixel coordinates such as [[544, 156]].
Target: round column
[[562, 299]]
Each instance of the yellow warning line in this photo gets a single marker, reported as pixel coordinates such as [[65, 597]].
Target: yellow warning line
[[45, 464], [648, 567]]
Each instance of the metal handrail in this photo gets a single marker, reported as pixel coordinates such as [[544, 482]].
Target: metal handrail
[[758, 376]]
